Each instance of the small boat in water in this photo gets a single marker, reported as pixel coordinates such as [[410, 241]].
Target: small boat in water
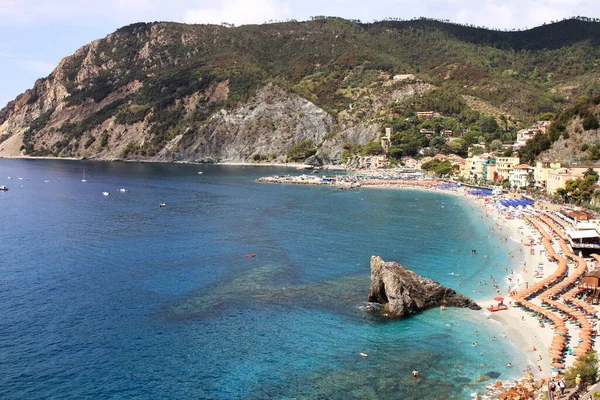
[[3, 188], [162, 205], [106, 193], [122, 190], [83, 179], [200, 172], [10, 177], [46, 181]]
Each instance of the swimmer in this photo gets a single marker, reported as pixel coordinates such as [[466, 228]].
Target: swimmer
[[503, 335], [415, 373], [509, 365], [494, 338]]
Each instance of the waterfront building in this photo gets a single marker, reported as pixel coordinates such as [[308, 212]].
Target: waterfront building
[[504, 165], [519, 176], [541, 170]]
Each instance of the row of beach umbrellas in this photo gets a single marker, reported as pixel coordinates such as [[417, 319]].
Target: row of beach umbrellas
[[559, 342]]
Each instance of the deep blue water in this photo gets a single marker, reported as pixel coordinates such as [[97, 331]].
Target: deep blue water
[[106, 297]]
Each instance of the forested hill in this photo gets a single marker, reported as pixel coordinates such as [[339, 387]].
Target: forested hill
[[170, 91]]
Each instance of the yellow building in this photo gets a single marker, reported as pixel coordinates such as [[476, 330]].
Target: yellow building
[[541, 170], [473, 168], [558, 178], [504, 165]]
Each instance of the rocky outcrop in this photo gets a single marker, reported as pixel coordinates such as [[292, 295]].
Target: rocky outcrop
[[402, 292]]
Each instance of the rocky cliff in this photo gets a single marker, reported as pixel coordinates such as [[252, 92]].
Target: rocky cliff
[[402, 292]]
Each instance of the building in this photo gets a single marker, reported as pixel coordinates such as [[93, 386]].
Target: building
[[526, 134], [490, 172], [386, 141], [425, 114], [519, 176], [504, 165], [584, 235], [369, 162], [541, 170], [474, 167], [404, 77], [558, 178]]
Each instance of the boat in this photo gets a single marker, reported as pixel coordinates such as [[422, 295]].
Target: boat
[[10, 177], [200, 172], [46, 180], [106, 193], [122, 190], [162, 204], [3, 188], [83, 179]]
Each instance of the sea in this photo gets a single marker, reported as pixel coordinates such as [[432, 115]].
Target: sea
[[113, 297]]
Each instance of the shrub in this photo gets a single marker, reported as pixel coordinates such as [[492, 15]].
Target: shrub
[[302, 150]]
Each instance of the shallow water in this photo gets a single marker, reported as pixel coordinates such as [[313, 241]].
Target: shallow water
[[114, 297]]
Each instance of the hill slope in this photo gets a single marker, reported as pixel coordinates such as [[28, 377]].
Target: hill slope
[[167, 91]]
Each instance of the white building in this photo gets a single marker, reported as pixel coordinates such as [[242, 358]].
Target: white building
[[518, 175]]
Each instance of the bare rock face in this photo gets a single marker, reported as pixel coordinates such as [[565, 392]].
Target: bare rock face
[[402, 292]]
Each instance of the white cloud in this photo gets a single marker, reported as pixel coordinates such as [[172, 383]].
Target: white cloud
[[238, 12]]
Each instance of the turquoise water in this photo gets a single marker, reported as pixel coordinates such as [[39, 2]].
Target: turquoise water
[[114, 297]]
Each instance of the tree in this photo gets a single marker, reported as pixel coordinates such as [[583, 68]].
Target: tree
[[488, 124], [504, 121], [495, 145], [530, 179], [591, 174], [586, 366]]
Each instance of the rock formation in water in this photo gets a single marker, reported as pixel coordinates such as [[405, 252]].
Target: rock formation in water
[[402, 292]]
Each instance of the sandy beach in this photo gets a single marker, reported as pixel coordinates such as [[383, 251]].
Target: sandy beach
[[526, 268]]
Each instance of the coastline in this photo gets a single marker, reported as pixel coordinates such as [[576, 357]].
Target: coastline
[[226, 163], [521, 328]]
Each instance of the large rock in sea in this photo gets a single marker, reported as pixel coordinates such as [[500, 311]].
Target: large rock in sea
[[402, 292]]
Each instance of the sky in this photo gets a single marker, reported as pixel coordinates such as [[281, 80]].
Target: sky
[[36, 34]]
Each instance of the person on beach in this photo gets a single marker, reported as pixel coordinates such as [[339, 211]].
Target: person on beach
[[561, 386], [577, 381]]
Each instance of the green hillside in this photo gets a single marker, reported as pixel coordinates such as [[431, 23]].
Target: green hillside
[[332, 62]]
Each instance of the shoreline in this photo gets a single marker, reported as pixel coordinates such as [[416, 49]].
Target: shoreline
[[328, 167]]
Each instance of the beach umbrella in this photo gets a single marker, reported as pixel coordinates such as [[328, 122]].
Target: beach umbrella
[[499, 298]]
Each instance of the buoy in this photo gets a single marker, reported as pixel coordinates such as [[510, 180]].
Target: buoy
[[364, 354], [250, 255]]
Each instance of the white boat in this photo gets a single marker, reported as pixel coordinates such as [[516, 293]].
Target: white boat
[[20, 178], [46, 180], [83, 179], [200, 172], [10, 177], [162, 205], [105, 193], [122, 190], [3, 188]]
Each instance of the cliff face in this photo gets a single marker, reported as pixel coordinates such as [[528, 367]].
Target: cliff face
[[402, 292]]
